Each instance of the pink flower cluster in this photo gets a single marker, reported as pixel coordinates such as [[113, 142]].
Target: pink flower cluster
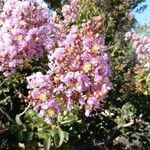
[[141, 44], [78, 75], [25, 28], [70, 11], [41, 96], [79, 68]]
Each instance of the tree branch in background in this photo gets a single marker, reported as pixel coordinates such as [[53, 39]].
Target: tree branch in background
[[125, 125], [116, 130], [25, 110], [5, 114]]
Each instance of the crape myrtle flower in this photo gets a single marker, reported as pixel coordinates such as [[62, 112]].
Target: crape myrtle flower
[[78, 75], [70, 11], [25, 33], [141, 44]]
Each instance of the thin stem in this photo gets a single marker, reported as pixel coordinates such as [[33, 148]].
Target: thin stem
[[4, 113], [114, 135], [25, 110]]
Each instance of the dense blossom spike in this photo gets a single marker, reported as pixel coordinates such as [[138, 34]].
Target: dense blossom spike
[[25, 28], [141, 44], [70, 11], [79, 72], [79, 67]]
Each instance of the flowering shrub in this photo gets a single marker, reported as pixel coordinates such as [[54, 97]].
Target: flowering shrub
[[79, 73], [141, 44], [63, 98], [70, 11], [25, 27], [79, 67]]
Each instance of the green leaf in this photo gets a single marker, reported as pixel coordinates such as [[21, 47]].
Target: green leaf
[[59, 118], [52, 133], [56, 139], [66, 137], [33, 145], [61, 137], [47, 143], [69, 120], [18, 120], [28, 136], [19, 135]]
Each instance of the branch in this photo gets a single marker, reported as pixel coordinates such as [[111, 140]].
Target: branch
[[112, 46], [3, 82], [21, 96], [4, 113], [125, 125], [114, 135], [25, 110]]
